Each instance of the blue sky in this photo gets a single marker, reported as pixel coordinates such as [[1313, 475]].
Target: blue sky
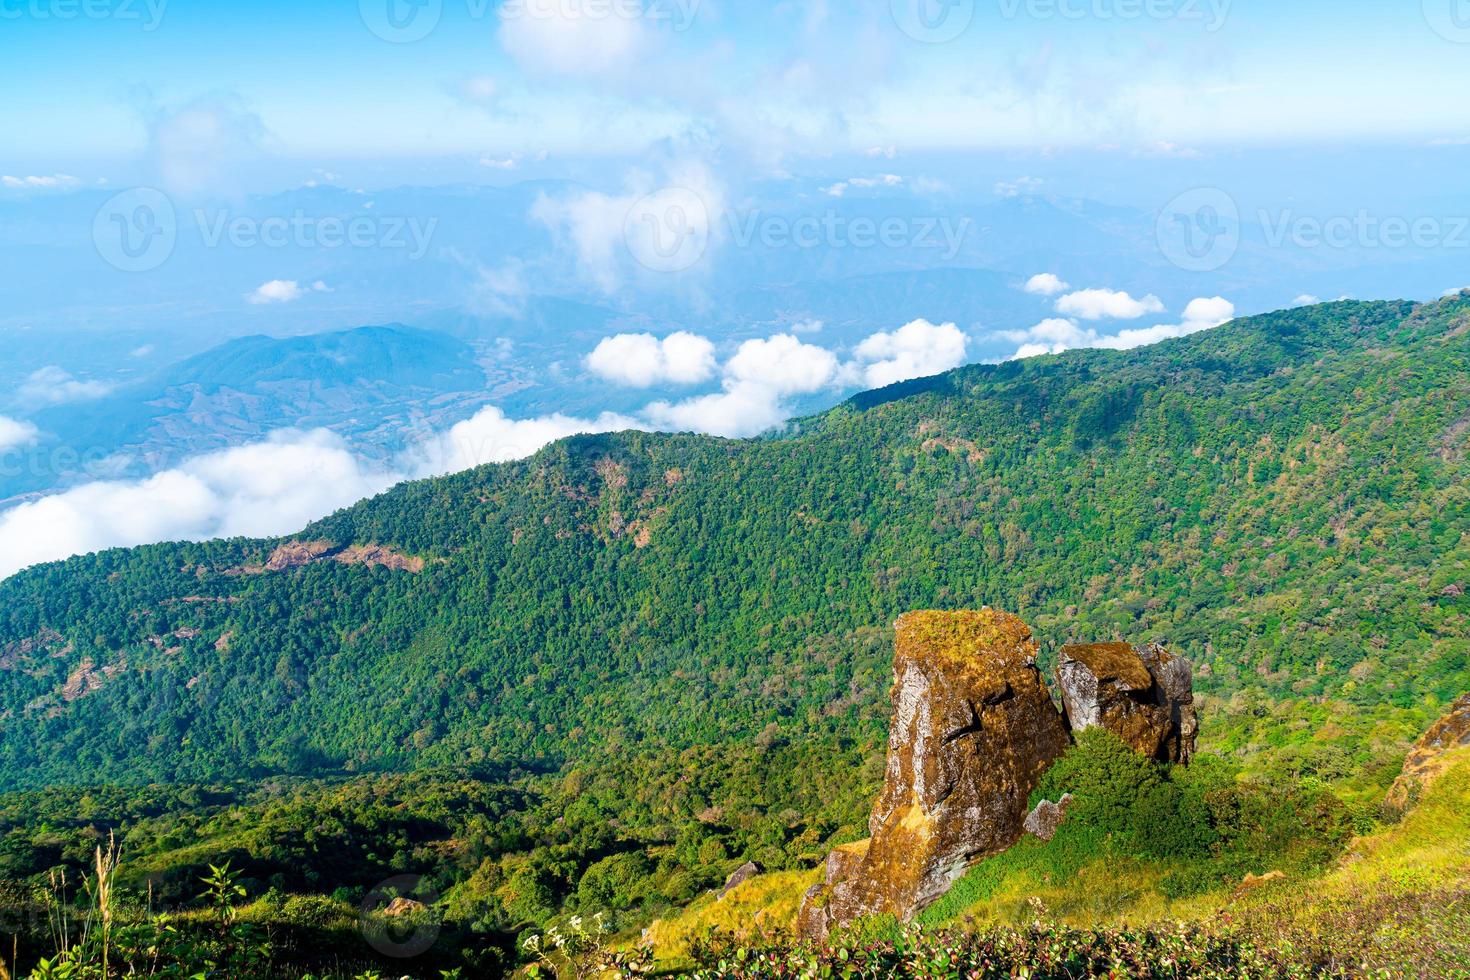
[[288, 86]]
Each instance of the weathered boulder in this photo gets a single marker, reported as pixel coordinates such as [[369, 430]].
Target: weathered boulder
[[1043, 821], [973, 730], [1144, 695], [1426, 759], [740, 876]]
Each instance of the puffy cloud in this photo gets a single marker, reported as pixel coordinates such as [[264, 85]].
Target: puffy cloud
[[270, 488], [1045, 284], [782, 364], [641, 360], [915, 350], [49, 183], [491, 437], [1099, 304], [262, 490], [1056, 335], [554, 37], [275, 291], [757, 379], [53, 386], [283, 291], [1305, 299], [741, 410], [15, 433]]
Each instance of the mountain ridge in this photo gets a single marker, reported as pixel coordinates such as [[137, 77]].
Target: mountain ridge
[[612, 587]]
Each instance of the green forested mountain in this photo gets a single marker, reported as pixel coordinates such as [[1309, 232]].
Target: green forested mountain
[[1285, 499], [599, 679]]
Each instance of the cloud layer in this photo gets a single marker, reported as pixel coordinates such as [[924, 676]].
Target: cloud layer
[[1057, 334], [641, 360]]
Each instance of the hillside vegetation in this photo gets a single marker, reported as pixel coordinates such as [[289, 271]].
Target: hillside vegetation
[[602, 677]]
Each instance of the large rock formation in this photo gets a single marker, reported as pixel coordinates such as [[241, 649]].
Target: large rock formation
[[973, 730], [1427, 759], [1144, 695]]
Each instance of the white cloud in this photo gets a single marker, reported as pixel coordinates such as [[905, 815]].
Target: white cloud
[[1200, 314], [1305, 299], [1046, 284], [757, 380], [863, 183], [491, 437], [270, 488], [915, 350], [1099, 304], [53, 386], [782, 364], [265, 489], [586, 41], [275, 291], [53, 182], [741, 410], [641, 360], [15, 433], [1055, 335]]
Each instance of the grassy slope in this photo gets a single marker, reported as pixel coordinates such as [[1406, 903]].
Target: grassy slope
[[1398, 898]]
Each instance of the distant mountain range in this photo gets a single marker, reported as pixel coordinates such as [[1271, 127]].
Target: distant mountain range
[[377, 386]]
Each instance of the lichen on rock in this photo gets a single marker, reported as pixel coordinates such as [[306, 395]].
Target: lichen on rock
[[1425, 761], [1144, 695], [973, 730]]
